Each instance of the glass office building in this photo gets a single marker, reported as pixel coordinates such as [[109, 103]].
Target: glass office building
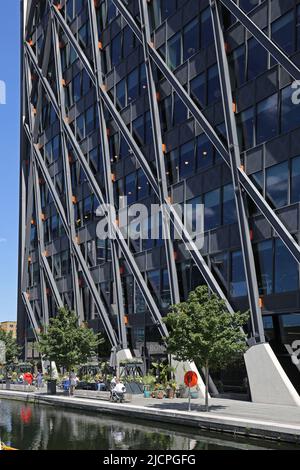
[[152, 102]]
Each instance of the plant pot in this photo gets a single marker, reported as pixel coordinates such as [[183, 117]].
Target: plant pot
[[170, 393], [160, 395], [194, 395], [147, 394], [183, 393]]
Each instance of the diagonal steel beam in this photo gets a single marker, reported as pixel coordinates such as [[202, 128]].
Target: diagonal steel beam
[[100, 306], [263, 39], [67, 171], [157, 318], [235, 163], [176, 220], [31, 315], [118, 290], [211, 134], [159, 155]]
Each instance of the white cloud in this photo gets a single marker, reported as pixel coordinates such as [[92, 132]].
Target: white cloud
[[3, 240]]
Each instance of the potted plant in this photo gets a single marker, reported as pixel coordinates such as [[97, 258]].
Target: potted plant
[[182, 391], [171, 389], [148, 382]]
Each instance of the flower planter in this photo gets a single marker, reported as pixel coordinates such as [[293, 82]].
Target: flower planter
[[160, 395], [147, 394], [170, 393]]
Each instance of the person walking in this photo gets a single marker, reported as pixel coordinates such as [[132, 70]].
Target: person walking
[[73, 382], [39, 380]]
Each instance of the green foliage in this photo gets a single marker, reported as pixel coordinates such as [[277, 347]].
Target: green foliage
[[66, 343], [202, 330], [12, 349], [163, 371]]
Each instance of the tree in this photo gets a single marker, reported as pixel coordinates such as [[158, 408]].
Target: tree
[[67, 343], [203, 330], [12, 349]]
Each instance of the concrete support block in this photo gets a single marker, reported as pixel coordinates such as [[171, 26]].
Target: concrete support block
[[122, 355], [180, 370], [268, 381]]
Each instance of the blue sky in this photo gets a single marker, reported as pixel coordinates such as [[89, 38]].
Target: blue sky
[[9, 158]]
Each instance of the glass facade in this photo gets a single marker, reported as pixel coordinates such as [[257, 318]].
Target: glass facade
[[268, 126]]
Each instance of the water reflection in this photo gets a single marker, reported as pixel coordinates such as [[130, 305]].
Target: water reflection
[[29, 427]]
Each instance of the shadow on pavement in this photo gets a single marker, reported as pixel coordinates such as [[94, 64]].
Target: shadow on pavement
[[184, 407]]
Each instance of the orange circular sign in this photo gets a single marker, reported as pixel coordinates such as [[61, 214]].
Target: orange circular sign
[[191, 379]]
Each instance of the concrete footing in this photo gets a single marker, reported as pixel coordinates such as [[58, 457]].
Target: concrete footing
[[267, 379], [180, 370], [123, 355]]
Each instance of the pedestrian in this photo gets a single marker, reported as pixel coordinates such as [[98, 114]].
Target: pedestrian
[[39, 380], [73, 382]]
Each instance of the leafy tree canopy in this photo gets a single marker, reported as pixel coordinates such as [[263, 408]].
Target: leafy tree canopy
[[204, 331], [67, 343], [12, 349]]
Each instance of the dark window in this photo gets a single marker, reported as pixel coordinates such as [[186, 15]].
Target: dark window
[[298, 27], [121, 94], [130, 188], [154, 284], [198, 90], [187, 158], [116, 50], [174, 51], [139, 130], [229, 207], [213, 85], [237, 67], [258, 181], [286, 269], [180, 111], [207, 33], [248, 5], [267, 119], [90, 120], [128, 41], [212, 209], [167, 8], [172, 167], [238, 287], [263, 254], [142, 184], [245, 123], [205, 152], [77, 88], [165, 290], [190, 39], [277, 184], [133, 84], [257, 59], [283, 32], [295, 180]]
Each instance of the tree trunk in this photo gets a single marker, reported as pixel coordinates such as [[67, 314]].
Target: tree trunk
[[206, 386]]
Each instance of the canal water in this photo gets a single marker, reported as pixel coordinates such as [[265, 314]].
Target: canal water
[[33, 427]]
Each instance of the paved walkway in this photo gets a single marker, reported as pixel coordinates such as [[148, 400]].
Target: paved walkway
[[251, 419]]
